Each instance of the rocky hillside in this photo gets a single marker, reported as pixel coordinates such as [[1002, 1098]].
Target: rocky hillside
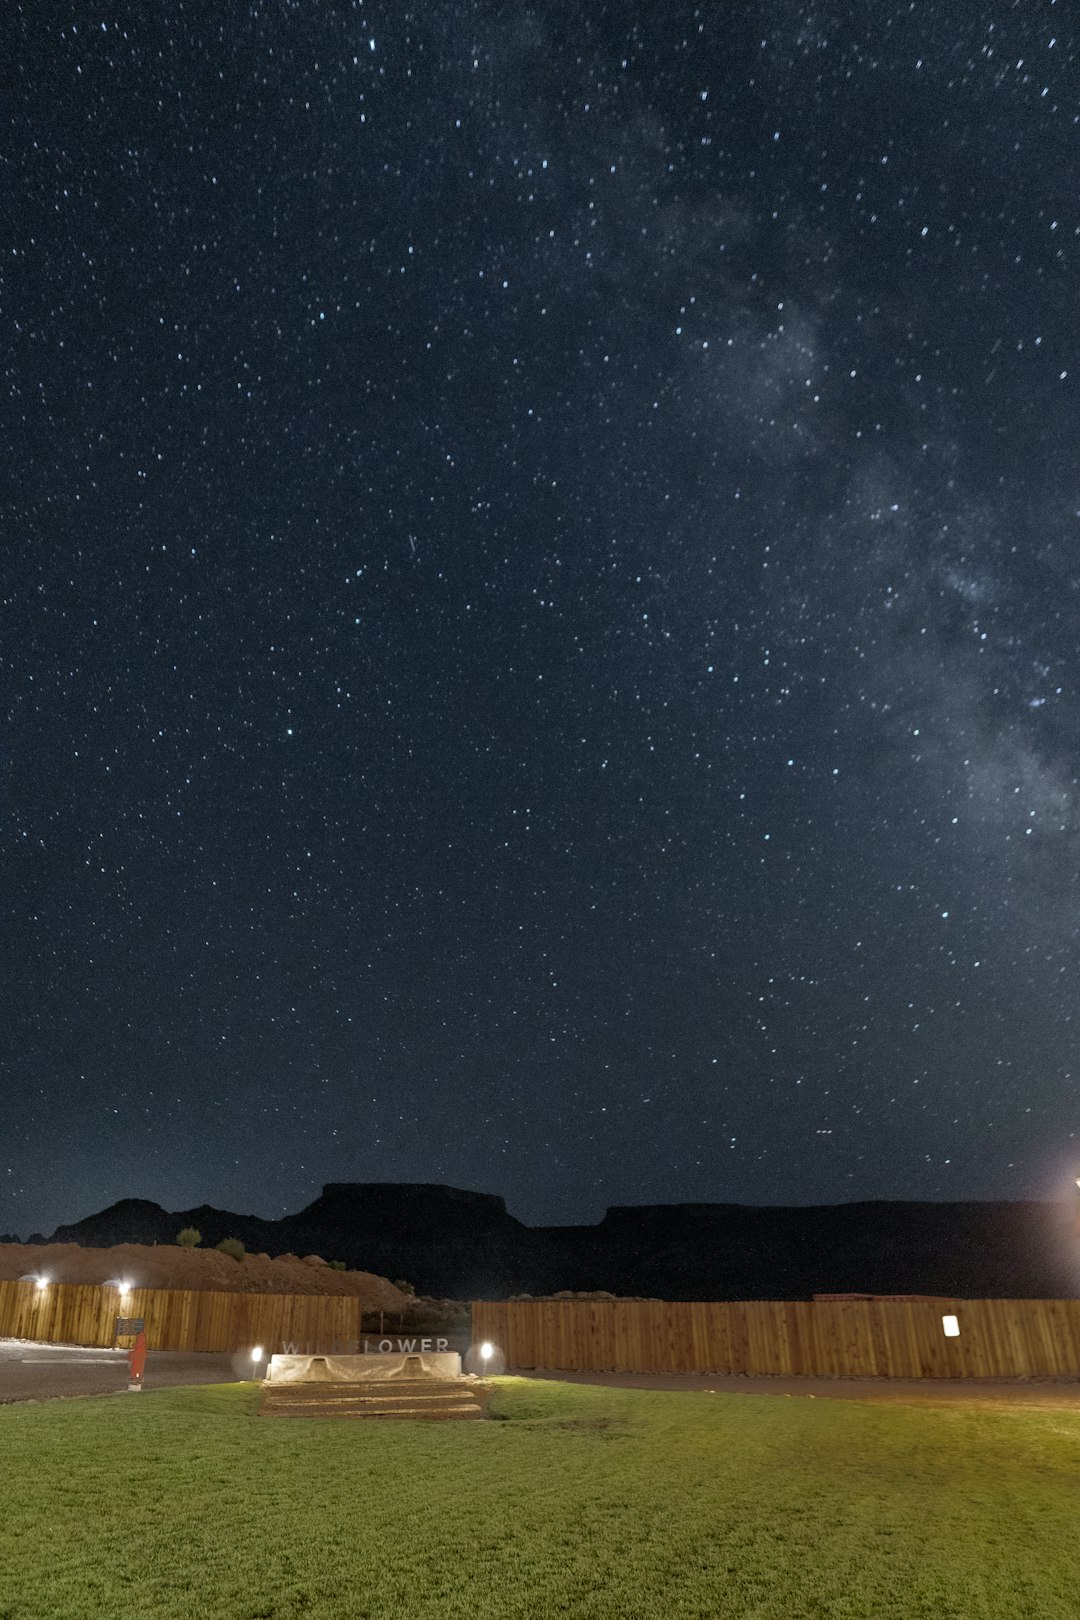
[[167, 1266]]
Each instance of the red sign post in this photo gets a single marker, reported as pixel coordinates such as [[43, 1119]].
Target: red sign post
[[137, 1361]]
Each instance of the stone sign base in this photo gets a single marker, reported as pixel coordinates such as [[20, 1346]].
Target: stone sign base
[[360, 1369]]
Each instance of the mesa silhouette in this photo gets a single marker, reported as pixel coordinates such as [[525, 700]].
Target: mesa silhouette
[[452, 1243]]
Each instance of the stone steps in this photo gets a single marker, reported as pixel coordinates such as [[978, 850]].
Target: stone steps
[[424, 1399]]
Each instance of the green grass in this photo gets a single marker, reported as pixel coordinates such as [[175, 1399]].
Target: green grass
[[601, 1504]]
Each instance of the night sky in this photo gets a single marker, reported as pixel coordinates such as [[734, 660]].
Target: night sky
[[541, 599]]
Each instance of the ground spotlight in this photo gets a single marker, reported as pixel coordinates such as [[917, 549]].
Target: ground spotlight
[[485, 1359], [42, 1284]]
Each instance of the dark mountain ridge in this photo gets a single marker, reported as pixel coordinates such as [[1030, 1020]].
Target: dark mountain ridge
[[452, 1243]]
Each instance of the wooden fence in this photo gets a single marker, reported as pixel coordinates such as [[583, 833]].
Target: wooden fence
[[998, 1338], [179, 1318]]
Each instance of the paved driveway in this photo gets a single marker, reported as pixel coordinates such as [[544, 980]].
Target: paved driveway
[[39, 1372]]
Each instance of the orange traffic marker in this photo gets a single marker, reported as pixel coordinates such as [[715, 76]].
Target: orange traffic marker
[[137, 1361]]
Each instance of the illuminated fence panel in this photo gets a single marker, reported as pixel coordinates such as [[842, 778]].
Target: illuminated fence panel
[[179, 1319], [998, 1338]]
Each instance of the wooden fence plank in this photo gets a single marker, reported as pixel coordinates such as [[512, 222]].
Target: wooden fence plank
[[178, 1319], [836, 1338]]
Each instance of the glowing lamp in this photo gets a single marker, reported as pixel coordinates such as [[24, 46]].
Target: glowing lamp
[[486, 1351], [950, 1326], [258, 1353], [42, 1284]]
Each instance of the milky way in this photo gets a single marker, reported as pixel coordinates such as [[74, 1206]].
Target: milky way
[[540, 604]]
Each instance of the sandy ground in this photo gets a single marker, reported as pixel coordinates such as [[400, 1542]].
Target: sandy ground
[[1047, 1393], [166, 1265]]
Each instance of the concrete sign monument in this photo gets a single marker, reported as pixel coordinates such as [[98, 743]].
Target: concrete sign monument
[[378, 1364]]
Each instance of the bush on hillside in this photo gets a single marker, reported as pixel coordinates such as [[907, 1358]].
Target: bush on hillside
[[189, 1238], [233, 1247]]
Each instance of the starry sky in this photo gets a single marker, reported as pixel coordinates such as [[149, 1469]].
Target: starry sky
[[540, 602]]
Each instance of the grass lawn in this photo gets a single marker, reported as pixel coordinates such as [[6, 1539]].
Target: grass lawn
[[600, 1503]]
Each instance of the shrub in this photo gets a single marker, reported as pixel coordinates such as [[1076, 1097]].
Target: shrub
[[405, 1287], [189, 1238], [338, 1265], [232, 1246]]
